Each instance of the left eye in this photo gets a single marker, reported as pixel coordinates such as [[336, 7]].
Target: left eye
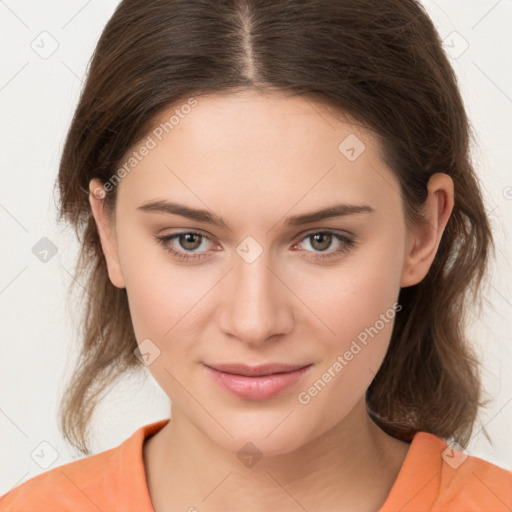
[[191, 240], [321, 240]]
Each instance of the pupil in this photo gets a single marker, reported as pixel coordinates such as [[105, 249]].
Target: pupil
[[323, 235], [188, 238]]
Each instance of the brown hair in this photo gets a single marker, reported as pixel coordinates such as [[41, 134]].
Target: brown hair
[[380, 62]]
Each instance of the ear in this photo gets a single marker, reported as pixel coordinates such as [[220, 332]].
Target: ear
[[106, 230], [424, 237]]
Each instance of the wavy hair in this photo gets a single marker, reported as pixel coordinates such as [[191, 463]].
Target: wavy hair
[[379, 61]]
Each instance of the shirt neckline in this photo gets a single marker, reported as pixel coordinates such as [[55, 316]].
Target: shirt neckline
[[416, 456], [424, 452]]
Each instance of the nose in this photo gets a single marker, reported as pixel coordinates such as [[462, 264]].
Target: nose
[[256, 304]]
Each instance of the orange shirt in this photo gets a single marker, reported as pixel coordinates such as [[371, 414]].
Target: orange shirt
[[433, 477]]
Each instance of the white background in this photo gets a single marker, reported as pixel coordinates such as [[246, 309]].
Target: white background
[[38, 326]]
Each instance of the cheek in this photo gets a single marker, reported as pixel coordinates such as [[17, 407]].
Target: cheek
[[161, 294], [358, 311], [362, 323], [352, 297], [163, 303]]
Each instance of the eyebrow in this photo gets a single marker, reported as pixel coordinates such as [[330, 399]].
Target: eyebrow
[[339, 210]]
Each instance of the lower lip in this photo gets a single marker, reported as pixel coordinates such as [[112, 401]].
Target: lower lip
[[257, 388]]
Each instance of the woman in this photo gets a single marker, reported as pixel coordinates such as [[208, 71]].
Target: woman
[[280, 220]]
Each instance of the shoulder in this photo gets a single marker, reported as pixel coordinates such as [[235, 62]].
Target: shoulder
[[437, 477], [472, 484], [70, 485], [112, 478]]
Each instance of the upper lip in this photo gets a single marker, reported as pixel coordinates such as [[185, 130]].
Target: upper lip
[[255, 371]]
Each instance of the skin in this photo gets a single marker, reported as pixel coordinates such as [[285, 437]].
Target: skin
[[255, 159]]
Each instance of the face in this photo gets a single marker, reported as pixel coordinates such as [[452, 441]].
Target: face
[[268, 283]]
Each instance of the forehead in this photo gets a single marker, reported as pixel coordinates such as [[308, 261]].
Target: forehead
[[250, 149], [256, 120]]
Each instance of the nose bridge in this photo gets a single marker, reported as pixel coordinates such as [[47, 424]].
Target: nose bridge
[[254, 307]]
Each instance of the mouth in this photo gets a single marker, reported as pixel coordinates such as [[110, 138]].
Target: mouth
[[256, 382]]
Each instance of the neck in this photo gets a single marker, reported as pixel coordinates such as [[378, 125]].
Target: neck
[[354, 463]]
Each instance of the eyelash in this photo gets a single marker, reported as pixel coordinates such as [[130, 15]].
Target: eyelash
[[347, 244]]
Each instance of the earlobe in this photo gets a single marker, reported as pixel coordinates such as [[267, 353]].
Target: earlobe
[[424, 238], [106, 232]]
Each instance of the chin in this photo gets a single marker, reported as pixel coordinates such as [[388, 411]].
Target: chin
[[271, 433]]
